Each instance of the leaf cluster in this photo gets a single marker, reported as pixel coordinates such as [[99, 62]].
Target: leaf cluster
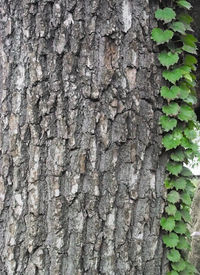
[[179, 124]]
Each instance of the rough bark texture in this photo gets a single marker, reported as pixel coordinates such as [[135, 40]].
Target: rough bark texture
[[81, 179], [194, 255]]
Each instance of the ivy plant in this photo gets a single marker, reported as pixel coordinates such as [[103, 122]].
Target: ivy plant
[[178, 47]]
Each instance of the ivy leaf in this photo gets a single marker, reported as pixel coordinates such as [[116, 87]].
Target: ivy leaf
[[171, 93], [185, 197], [168, 123], [183, 243], [180, 227], [179, 266], [178, 27], [177, 216], [189, 43], [190, 187], [167, 224], [171, 209], [189, 39], [190, 60], [190, 154], [185, 18], [184, 4], [189, 269], [171, 109], [166, 15], [186, 143], [168, 183], [172, 140], [186, 215], [189, 49], [174, 167], [173, 76], [178, 155], [186, 113], [171, 240], [168, 59], [185, 69], [186, 172], [173, 272], [191, 99], [190, 134], [180, 183], [173, 196], [173, 255], [160, 36], [184, 91], [188, 77]]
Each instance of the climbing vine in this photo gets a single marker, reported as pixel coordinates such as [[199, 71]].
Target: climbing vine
[[177, 47]]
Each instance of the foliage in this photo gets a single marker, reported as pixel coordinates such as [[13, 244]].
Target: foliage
[[179, 124]]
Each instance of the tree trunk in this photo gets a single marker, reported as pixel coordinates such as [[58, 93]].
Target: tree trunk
[[194, 255], [81, 181]]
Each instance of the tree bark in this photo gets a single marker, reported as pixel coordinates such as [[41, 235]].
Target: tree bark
[[81, 179]]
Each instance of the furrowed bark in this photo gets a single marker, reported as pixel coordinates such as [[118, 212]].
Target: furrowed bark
[[81, 179]]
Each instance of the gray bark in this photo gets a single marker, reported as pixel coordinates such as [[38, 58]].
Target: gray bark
[[194, 255], [81, 179]]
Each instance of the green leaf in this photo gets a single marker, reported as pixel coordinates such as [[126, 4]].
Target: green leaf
[[191, 99], [186, 172], [168, 183], [171, 109], [186, 143], [178, 155], [171, 240], [186, 113], [160, 36], [189, 43], [174, 167], [189, 49], [184, 91], [173, 255], [168, 59], [184, 4], [185, 18], [167, 224], [171, 209], [166, 15], [173, 272], [180, 183], [171, 141], [173, 76], [186, 214], [185, 69], [179, 266], [188, 77], [178, 27], [177, 216], [190, 134], [180, 227], [183, 243], [190, 60], [185, 197], [170, 94], [189, 270], [173, 196], [168, 123], [189, 39]]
